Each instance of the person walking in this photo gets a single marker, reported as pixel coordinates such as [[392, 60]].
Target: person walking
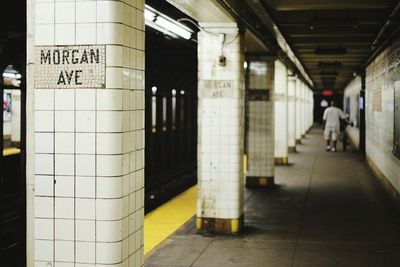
[[331, 125]]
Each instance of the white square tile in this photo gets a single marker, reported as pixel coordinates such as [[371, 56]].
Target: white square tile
[[109, 231], [85, 187], [44, 13], [65, 186], [85, 165], [64, 164], [85, 121], [64, 208], [44, 229], [108, 209], [44, 34], [44, 207], [64, 34], [64, 251], [65, 12], [108, 253], [114, 55], [44, 164], [44, 185], [86, 33], [65, 143], [109, 33], [85, 209], [109, 99], [86, 11], [109, 165], [64, 99], [109, 143], [44, 121], [44, 143], [65, 229], [85, 143], [109, 187], [109, 11], [114, 77], [64, 121], [85, 99], [109, 121], [86, 252], [44, 99], [85, 230], [44, 250]]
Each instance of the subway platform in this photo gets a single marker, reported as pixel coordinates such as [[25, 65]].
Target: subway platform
[[326, 210]]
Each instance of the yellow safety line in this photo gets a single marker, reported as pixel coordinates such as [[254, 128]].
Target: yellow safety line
[[166, 219], [11, 151]]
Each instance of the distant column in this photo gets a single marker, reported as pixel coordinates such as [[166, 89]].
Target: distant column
[[260, 116], [292, 114], [86, 80], [220, 129], [281, 114], [298, 111]]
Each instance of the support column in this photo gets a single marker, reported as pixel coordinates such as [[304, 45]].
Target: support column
[[303, 110], [86, 106], [281, 114], [260, 114], [291, 114], [298, 111], [220, 129]]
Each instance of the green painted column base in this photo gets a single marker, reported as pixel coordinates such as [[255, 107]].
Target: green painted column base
[[292, 149], [282, 161]]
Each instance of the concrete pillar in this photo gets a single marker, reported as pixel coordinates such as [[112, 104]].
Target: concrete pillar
[[298, 111], [260, 136], [281, 114], [292, 114], [86, 103], [220, 129]]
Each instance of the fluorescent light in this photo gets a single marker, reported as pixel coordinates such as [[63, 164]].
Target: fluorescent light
[[12, 75], [172, 27], [149, 15], [165, 24]]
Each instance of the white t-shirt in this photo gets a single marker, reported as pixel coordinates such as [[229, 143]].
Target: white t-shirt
[[332, 116]]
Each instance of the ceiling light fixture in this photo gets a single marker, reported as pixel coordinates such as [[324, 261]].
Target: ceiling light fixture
[[165, 24]]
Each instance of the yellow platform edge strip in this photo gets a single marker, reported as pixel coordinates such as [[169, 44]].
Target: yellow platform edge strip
[[11, 151], [168, 218]]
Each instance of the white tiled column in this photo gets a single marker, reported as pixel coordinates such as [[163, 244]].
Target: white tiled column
[[88, 132], [281, 114], [303, 110], [298, 111], [292, 114], [221, 129], [260, 137]]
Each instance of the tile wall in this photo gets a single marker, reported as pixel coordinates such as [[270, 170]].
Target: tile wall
[[281, 110]]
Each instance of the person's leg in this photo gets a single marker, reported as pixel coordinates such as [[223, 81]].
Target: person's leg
[[334, 140], [328, 139]]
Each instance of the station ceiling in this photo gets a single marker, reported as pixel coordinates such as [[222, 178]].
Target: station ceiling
[[332, 38]]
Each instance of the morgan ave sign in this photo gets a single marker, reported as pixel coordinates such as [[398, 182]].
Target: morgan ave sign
[[80, 66]]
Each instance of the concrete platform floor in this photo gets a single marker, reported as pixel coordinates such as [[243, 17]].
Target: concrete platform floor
[[327, 210]]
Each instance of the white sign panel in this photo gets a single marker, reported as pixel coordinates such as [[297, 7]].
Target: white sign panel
[[81, 66]]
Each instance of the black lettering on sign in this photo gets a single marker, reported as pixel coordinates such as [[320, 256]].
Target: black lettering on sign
[[217, 94], [75, 59], [84, 58], [77, 76], [45, 57], [65, 77], [94, 55], [65, 56], [56, 57]]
